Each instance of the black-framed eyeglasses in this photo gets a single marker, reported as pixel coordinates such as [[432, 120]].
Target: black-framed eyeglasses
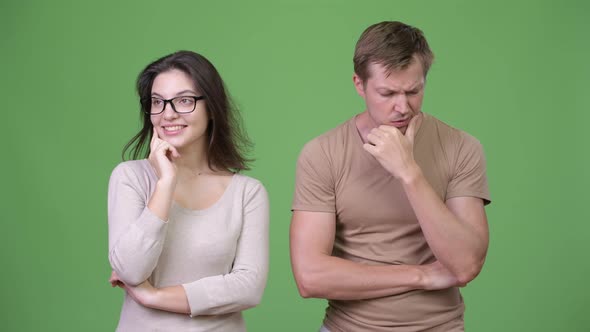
[[181, 104]]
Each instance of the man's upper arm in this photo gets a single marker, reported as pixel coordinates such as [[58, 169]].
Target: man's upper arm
[[471, 212], [313, 231], [468, 192], [313, 224], [311, 237]]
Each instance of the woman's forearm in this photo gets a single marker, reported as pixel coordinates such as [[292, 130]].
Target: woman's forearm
[[161, 199], [171, 299]]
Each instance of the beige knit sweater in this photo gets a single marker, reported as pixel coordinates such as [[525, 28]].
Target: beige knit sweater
[[219, 254]]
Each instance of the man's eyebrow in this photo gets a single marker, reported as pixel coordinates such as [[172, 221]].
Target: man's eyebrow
[[386, 88], [412, 87]]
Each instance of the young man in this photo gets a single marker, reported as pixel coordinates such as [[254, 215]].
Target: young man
[[388, 213]]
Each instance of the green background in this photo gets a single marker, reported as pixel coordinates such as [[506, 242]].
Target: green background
[[513, 74]]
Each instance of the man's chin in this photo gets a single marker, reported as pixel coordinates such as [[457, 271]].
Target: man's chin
[[402, 129]]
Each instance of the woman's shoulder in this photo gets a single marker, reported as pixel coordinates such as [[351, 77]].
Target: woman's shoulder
[[247, 180], [133, 170], [248, 183]]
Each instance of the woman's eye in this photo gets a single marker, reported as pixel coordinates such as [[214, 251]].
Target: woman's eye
[[186, 101]]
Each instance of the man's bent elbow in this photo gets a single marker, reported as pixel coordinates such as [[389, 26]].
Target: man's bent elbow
[[307, 286], [471, 272]]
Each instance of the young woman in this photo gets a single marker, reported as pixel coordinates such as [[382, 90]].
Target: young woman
[[188, 235]]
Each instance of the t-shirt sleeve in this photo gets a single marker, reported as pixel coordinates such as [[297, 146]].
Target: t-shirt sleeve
[[469, 172], [314, 182]]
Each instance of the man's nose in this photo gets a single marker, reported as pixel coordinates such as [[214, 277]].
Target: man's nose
[[401, 103]]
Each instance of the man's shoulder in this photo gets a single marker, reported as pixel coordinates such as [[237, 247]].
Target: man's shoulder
[[332, 138], [448, 134]]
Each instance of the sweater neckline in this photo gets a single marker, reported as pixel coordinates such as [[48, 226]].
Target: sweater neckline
[[230, 187]]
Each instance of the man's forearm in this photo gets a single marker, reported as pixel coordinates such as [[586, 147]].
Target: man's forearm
[[335, 278], [458, 245], [319, 274]]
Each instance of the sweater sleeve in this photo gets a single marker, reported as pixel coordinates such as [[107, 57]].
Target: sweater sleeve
[[243, 287], [136, 235]]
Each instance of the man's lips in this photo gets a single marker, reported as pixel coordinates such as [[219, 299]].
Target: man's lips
[[400, 123]]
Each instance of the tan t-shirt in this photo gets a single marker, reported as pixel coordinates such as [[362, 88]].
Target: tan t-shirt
[[375, 223]]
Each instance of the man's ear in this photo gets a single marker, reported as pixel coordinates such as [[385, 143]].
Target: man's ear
[[359, 85]]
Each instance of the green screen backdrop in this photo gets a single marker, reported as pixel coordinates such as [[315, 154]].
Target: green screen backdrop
[[515, 74]]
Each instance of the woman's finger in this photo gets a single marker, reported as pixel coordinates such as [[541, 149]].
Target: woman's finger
[[154, 138], [173, 151], [167, 150], [114, 279], [156, 133]]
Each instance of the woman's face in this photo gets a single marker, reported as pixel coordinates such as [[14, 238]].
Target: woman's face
[[183, 131]]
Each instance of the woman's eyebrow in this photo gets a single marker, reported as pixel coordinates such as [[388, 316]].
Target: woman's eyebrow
[[177, 94]]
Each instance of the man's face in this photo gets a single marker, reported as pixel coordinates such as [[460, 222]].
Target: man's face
[[392, 98]]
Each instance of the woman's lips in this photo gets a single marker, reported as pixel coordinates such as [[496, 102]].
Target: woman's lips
[[172, 130]]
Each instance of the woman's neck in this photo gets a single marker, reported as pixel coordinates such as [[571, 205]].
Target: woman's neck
[[192, 162]]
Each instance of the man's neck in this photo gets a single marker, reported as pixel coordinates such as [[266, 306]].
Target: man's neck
[[364, 124]]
